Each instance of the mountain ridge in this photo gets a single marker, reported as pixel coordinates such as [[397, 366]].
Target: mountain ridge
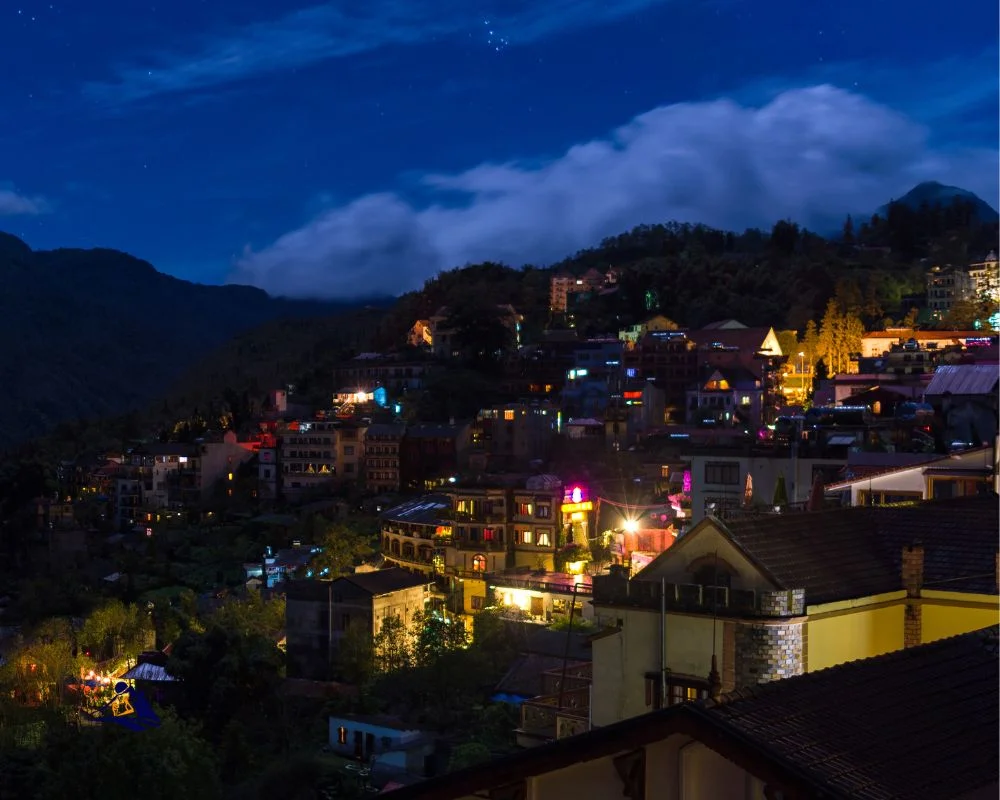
[[97, 332]]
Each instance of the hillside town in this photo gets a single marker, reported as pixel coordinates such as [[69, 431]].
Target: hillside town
[[677, 533]]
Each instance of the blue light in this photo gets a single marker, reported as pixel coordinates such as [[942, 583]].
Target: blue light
[[381, 399]]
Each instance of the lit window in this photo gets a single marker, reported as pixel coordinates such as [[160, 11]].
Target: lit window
[[745, 400], [479, 563], [508, 415], [543, 539], [526, 537], [341, 735]]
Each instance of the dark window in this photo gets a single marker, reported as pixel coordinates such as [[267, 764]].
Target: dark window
[[722, 473]]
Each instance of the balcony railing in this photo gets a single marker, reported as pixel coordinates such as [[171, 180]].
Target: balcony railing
[[722, 600], [536, 585]]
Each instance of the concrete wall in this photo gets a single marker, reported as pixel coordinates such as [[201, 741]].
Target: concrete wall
[[945, 614], [842, 632]]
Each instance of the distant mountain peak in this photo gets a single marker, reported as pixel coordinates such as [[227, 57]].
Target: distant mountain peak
[[935, 192]]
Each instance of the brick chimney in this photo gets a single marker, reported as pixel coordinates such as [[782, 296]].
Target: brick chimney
[[912, 574]]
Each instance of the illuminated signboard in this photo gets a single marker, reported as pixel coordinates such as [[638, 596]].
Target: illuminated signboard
[[632, 395], [569, 508], [574, 494]]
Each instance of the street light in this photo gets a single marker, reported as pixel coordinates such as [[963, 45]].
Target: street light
[[630, 526]]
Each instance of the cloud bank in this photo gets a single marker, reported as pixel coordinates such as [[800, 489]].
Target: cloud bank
[[811, 155], [13, 203], [336, 30]]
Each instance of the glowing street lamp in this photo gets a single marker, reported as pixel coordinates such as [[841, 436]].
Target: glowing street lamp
[[631, 526]]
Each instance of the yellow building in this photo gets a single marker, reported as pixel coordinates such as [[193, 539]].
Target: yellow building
[[919, 723], [779, 595]]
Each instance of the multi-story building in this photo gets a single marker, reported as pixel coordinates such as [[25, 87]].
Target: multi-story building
[[367, 371], [351, 449], [431, 453], [763, 599], [985, 276], [512, 436], [947, 286], [318, 614], [564, 287], [308, 456], [721, 475], [382, 454], [669, 359], [491, 542], [878, 343]]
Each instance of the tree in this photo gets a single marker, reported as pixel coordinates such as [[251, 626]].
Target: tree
[[252, 615], [788, 341], [468, 755], [780, 499], [434, 636], [342, 547], [356, 656], [391, 647], [168, 761], [115, 630]]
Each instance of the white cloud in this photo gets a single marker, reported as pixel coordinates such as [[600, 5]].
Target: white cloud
[[14, 203], [812, 155]]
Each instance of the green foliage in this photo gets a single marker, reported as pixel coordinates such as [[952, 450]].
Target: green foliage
[[115, 630], [468, 755], [227, 675], [392, 647], [344, 544], [168, 761], [434, 636], [250, 615]]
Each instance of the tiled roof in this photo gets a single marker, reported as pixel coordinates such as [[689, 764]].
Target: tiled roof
[[918, 723], [384, 581], [524, 678], [856, 552], [863, 473]]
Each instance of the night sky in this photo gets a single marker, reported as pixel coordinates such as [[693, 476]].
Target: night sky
[[363, 145]]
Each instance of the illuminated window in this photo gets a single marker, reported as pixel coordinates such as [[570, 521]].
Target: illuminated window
[[508, 415], [745, 400], [526, 537], [544, 540], [479, 563], [341, 735]]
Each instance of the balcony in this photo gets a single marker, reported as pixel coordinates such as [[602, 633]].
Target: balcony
[[722, 600], [545, 719], [559, 586]]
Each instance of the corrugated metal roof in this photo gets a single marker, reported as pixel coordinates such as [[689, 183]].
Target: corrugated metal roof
[[965, 379], [148, 672]]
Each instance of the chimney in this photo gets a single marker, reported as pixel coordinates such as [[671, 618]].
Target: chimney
[[913, 580], [913, 569]]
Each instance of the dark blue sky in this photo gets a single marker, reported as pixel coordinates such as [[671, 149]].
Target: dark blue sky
[[331, 149]]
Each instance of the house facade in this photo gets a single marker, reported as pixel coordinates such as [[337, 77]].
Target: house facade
[[782, 595]]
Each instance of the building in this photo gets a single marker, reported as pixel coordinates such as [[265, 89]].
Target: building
[[382, 449], [308, 456], [367, 371], [721, 476], [985, 277], [510, 437], [430, 453], [565, 289], [782, 595], [387, 746], [494, 545], [947, 286], [930, 717], [669, 359], [318, 613], [878, 343], [966, 397], [351, 437], [961, 474]]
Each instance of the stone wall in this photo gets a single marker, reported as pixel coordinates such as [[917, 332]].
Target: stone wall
[[768, 651]]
